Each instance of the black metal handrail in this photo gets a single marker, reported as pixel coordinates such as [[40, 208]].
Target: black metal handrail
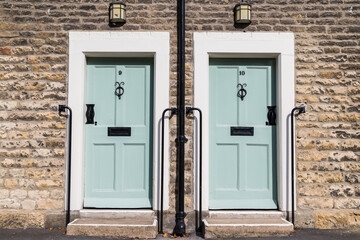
[[189, 110], [62, 109], [173, 111], [301, 109]]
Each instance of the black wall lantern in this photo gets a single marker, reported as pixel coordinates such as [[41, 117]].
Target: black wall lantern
[[242, 13], [117, 13]]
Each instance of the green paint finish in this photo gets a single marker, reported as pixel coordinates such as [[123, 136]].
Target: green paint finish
[[242, 168], [118, 169]]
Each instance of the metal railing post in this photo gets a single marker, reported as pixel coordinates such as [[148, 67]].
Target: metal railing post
[[189, 110], [62, 109], [301, 109], [173, 111]]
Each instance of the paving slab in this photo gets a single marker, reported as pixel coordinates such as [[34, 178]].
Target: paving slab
[[59, 234]]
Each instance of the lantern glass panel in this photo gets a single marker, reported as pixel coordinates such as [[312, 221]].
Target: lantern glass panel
[[243, 13], [117, 12]]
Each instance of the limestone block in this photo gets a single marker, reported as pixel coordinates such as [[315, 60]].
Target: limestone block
[[327, 117], [346, 203], [22, 50], [331, 220], [328, 144], [337, 125], [350, 166], [311, 156], [352, 178], [18, 194], [12, 219], [44, 184], [57, 194], [5, 51], [349, 117], [4, 193], [343, 156], [304, 218], [10, 183], [354, 220], [27, 184], [320, 177], [41, 68], [16, 172], [313, 190], [33, 59], [342, 190], [49, 204], [305, 144], [36, 220], [330, 74], [28, 204], [315, 202], [351, 145], [38, 194], [9, 204]]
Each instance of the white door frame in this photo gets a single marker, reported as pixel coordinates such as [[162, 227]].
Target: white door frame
[[117, 44], [278, 46]]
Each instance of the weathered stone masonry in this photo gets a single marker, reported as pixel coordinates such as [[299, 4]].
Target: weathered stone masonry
[[33, 75]]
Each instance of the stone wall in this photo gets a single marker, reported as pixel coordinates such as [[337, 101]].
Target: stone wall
[[33, 81]]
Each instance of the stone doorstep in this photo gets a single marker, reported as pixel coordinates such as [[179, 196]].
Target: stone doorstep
[[114, 227], [232, 224]]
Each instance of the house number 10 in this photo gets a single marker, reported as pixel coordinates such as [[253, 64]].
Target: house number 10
[[242, 73]]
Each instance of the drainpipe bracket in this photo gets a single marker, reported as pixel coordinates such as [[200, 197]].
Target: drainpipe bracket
[[181, 139], [174, 111]]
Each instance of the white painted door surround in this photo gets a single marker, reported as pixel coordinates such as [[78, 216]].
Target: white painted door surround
[[278, 46], [116, 44]]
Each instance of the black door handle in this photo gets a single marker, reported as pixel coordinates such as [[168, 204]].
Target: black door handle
[[90, 113], [271, 115]]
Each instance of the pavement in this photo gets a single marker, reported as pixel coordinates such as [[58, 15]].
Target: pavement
[[59, 234]]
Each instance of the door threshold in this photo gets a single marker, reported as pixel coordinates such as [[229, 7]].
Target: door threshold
[[246, 214], [117, 213]]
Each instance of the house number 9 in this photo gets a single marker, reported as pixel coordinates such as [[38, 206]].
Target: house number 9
[[242, 73]]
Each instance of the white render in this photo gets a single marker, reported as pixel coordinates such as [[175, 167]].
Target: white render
[[279, 46], [117, 44]]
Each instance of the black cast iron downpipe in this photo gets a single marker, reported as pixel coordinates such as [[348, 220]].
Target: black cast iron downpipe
[[180, 228], [62, 109], [301, 109]]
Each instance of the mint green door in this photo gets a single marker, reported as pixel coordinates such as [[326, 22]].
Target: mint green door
[[118, 168], [242, 165]]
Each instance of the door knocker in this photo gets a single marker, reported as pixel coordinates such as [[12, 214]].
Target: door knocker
[[119, 91], [242, 92]]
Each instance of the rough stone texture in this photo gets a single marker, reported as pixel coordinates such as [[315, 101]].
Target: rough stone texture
[[253, 227], [21, 219], [304, 218], [33, 73], [116, 228]]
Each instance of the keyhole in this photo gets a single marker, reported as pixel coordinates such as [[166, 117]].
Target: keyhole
[[120, 72]]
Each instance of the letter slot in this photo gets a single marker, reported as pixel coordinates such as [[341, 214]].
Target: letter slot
[[242, 131], [119, 131]]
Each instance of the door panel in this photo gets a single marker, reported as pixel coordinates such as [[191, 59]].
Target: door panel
[[118, 168], [134, 156], [103, 171], [242, 168]]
